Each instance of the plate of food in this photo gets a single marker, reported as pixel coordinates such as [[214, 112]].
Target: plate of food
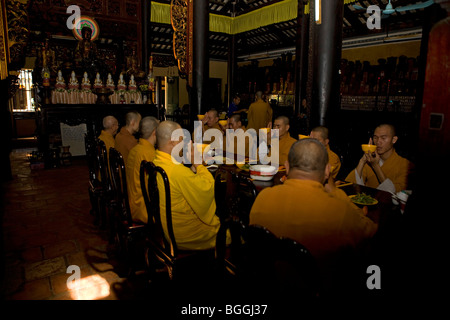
[[243, 166], [363, 199]]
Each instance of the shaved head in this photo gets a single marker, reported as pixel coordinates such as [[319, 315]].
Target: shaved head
[[164, 132], [309, 156], [323, 131], [284, 119], [147, 126], [132, 116], [109, 121]]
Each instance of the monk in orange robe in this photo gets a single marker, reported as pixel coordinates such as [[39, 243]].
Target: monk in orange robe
[[125, 139], [259, 113], [384, 169], [144, 150], [320, 217], [285, 140], [321, 133]]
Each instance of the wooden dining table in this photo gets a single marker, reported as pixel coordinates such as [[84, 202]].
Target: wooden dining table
[[385, 213]]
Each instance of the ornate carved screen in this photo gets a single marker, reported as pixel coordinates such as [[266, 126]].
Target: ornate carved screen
[[181, 19]]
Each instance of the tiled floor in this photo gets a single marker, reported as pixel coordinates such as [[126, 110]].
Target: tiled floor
[[47, 227]]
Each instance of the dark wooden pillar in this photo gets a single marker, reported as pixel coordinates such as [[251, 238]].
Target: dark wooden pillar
[[6, 133], [231, 68], [327, 47], [146, 13], [301, 55], [200, 61]]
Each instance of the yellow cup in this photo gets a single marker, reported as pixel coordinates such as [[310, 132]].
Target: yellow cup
[[223, 123], [203, 147], [368, 147], [302, 136], [200, 117]]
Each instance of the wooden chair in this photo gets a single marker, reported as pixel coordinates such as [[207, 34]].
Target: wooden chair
[[180, 264], [273, 264], [129, 235], [96, 189], [234, 195]]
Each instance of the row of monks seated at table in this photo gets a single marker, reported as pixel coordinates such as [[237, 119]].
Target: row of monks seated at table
[[307, 207]]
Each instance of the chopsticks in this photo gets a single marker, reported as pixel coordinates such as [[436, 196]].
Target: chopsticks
[[344, 184]]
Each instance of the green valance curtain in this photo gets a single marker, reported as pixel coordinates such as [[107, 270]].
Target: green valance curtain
[[278, 12]]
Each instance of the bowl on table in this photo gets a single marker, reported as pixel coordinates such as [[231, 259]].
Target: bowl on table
[[202, 147], [265, 130], [262, 172], [368, 148]]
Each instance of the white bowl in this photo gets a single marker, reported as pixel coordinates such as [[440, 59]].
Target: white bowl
[[262, 172]]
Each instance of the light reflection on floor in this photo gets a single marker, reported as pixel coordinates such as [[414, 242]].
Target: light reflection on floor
[[89, 288]]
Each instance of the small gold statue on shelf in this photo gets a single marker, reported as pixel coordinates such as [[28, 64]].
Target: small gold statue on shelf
[[121, 85], [132, 84], [110, 83], [85, 83], [98, 84], [60, 83], [73, 82], [133, 66]]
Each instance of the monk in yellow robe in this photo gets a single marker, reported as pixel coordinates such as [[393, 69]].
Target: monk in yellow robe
[[144, 150], [259, 113], [125, 139], [195, 223], [322, 134], [384, 169], [110, 126], [320, 217]]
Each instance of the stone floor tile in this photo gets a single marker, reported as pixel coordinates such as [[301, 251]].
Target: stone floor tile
[[59, 249], [44, 268]]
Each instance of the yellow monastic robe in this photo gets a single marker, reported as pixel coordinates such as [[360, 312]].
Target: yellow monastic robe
[[108, 139], [144, 150], [334, 161], [195, 223], [124, 142], [303, 211], [259, 115], [395, 168]]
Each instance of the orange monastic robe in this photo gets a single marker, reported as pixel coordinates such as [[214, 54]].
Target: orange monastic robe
[[303, 211], [395, 168], [259, 115], [334, 161], [124, 142]]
